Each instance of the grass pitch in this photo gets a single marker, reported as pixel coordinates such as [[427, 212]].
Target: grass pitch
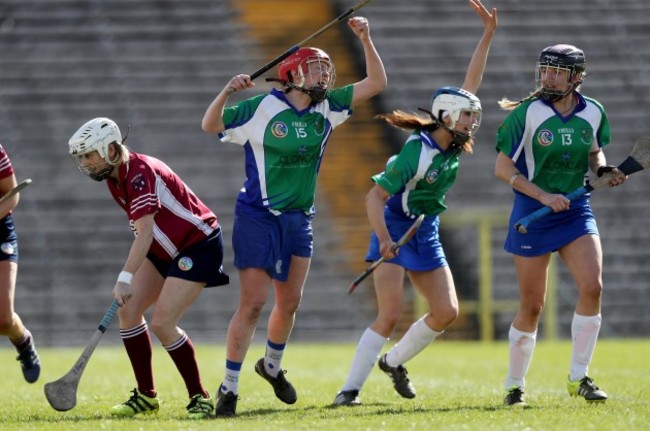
[[459, 387]]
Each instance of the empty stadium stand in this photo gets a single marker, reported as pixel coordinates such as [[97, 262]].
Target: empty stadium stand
[[156, 64], [153, 65]]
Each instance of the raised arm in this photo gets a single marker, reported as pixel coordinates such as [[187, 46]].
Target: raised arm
[[213, 118], [375, 80], [474, 74]]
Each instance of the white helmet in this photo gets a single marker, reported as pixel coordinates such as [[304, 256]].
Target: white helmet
[[453, 101], [96, 135]]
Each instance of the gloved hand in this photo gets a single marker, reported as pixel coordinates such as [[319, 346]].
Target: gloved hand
[[605, 168]]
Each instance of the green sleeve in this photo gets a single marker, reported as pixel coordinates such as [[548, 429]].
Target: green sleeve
[[400, 169], [510, 132], [241, 112], [341, 98]]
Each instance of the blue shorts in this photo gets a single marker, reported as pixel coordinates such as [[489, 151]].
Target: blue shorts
[[200, 262], [422, 253], [549, 233], [267, 241], [8, 240]]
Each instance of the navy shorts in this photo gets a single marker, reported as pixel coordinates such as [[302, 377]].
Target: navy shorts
[[8, 240], [422, 253], [549, 233], [200, 262], [267, 241]]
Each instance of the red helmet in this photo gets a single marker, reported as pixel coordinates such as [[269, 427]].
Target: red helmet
[[295, 65]]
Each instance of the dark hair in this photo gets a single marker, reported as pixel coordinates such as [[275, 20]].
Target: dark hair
[[409, 121]]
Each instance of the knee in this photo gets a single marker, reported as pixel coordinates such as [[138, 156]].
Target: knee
[[387, 320], [289, 306], [158, 328], [441, 318], [592, 289], [447, 316], [251, 309], [129, 317], [532, 309]]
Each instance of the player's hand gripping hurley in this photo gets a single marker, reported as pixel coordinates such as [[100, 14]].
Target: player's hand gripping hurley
[[638, 160], [304, 42], [62, 393], [403, 240]]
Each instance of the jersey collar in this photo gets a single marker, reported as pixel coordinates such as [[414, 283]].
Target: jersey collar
[[426, 138], [582, 104], [283, 97]]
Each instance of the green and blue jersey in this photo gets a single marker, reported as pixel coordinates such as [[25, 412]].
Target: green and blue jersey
[[419, 177], [284, 147], [552, 150]]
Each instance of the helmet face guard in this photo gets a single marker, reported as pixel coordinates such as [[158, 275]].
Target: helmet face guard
[[311, 64], [96, 135], [99, 175], [462, 108], [563, 65]]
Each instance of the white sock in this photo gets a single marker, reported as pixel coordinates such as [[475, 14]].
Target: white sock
[[367, 353], [231, 378], [584, 333], [273, 358], [522, 345], [413, 342]]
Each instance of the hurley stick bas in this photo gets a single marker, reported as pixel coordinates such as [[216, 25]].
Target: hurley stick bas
[[62, 393]]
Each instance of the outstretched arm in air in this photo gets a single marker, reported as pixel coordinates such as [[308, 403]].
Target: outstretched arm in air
[[474, 74]]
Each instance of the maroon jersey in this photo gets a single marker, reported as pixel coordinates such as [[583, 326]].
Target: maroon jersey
[[149, 186], [6, 170]]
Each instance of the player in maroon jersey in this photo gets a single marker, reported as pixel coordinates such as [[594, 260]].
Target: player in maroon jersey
[[177, 251], [10, 323]]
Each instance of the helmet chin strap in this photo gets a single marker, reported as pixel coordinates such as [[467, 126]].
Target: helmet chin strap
[[104, 173], [317, 94], [101, 175], [457, 139], [554, 97]]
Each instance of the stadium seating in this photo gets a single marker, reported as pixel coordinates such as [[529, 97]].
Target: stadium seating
[[156, 65]]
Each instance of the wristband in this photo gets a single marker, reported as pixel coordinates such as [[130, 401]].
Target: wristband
[[125, 277], [514, 177]]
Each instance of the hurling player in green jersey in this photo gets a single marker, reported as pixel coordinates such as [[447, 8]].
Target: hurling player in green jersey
[[415, 182], [284, 134], [546, 146]]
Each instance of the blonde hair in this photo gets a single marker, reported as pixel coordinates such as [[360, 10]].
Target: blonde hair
[[508, 105], [121, 154]]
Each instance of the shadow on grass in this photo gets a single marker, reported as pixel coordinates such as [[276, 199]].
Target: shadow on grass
[[388, 409], [255, 413]]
